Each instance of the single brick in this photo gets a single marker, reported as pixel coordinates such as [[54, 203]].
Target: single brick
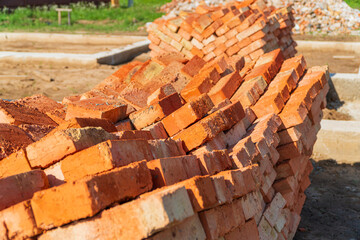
[[214, 162], [137, 219], [97, 108], [63, 143], [85, 198], [88, 122], [134, 134], [20, 187], [14, 164], [156, 112], [187, 114], [19, 222], [103, 157]]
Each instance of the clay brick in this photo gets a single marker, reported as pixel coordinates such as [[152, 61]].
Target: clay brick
[[103, 157], [55, 175], [166, 171], [87, 122], [134, 134], [285, 185], [140, 218], [20, 187], [225, 87], [214, 162], [16, 114], [156, 112], [251, 204], [193, 66], [201, 83], [16, 163], [249, 231], [124, 125], [92, 195], [191, 165], [96, 108], [201, 191], [190, 228], [235, 182], [164, 148], [223, 193], [235, 134], [157, 130], [211, 220], [266, 231], [19, 222], [63, 143], [290, 150], [160, 93], [187, 114]]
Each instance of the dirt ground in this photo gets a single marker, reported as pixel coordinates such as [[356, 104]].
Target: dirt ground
[[332, 207], [60, 48], [21, 80]]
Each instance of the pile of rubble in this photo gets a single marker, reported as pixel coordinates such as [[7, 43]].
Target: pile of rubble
[[325, 17], [247, 29], [173, 148]]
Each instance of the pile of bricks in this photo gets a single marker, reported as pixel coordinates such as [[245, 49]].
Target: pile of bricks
[[247, 29], [172, 148]]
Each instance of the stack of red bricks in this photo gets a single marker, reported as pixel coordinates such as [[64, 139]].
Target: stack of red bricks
[[247, 29], [167, 149], [173, 148]]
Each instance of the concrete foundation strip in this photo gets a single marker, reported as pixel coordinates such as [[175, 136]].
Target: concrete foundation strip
[[331, 45], [339, 140], [113, 57]]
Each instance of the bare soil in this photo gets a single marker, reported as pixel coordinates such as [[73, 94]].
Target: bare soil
[[56, 48], [336, 65], [332, 207]]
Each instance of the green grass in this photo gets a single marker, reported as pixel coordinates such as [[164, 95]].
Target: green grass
[[353, 3], [85, 17]]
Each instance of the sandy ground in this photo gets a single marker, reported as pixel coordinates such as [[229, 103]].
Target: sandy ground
[[59, 48], [332, 207]]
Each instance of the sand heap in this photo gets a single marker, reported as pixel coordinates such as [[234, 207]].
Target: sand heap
[[172, 148]]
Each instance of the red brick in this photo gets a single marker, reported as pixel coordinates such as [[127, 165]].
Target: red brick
[[235, 182], [160, 93], [156, 112], [124, 125], [103, 157], [225, 87], [16, 114], [20, 187], [92, 195], [141, 218], [166, 171], [214, 162], [157, 130], [201, 191], [96, 108], [190, 228], [88, 122], [187, 114], [19, 222], [249, 231], [63, 143], [164, 148], [16, 163], [223, 193], [134, 134], [193, 66]]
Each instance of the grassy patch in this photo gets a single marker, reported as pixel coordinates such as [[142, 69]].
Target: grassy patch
[[84, 17], [353, 3]]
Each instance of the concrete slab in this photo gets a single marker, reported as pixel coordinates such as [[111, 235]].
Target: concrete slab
[[113, 57], [70, 38], [347, 86], [339, 140], [330, 45]]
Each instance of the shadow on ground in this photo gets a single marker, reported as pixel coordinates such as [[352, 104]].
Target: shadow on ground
[[332, 207]]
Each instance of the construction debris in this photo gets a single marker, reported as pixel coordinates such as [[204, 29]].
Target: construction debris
[[332, 17]]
